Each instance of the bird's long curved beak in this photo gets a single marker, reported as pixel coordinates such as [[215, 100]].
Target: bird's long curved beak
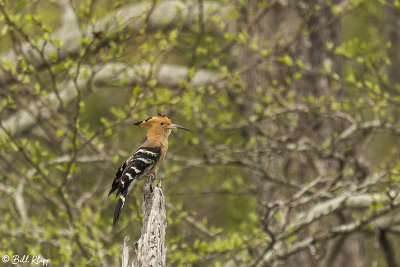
[[172, 126]]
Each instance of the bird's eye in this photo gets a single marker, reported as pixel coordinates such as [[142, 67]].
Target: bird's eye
[[161, 123]]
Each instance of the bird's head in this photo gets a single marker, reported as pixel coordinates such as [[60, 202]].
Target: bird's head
[[159, 125]]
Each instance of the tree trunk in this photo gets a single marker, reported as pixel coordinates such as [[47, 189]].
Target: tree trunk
[[392, 33], [279, 26], [150, 249]]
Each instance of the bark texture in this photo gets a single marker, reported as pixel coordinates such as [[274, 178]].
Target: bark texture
[[150, 249]]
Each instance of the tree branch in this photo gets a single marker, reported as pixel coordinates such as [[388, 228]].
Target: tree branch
[[279, 251], [131, 17], [111, 73]]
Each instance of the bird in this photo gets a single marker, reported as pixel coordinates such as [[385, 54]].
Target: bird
[[145, 161]]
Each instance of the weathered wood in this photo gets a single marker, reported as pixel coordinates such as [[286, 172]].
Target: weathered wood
[[150, 248]]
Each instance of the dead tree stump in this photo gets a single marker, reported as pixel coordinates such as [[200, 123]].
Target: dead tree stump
[[150, 248]]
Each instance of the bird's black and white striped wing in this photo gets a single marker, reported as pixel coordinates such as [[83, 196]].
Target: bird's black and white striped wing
[[132, 170]]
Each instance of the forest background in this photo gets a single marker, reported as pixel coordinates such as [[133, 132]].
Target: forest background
[[294, 158]]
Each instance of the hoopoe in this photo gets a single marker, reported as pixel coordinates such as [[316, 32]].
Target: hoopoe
[[145, 161]]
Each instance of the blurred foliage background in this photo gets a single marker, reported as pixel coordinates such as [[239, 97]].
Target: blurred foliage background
[[294, 158]]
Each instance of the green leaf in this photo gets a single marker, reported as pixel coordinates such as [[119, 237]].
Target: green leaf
[[287, 60]]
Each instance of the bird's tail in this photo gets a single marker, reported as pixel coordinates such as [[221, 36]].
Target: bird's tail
[[119, 206], [122, 198]]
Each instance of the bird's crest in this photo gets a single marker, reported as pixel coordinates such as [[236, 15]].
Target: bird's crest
[[156, 119]]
